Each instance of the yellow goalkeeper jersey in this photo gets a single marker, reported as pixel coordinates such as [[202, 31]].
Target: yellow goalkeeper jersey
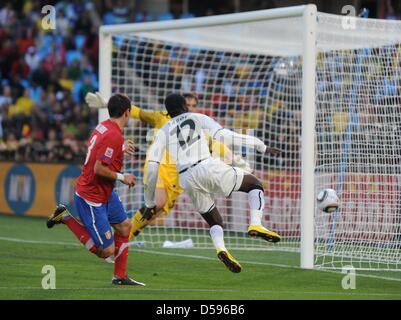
[[156, 119]]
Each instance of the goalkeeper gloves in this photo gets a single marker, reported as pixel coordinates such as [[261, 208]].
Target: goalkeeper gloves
[[148, 213], [95, 100]]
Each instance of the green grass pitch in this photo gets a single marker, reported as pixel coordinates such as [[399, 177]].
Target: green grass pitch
[[26, 245]]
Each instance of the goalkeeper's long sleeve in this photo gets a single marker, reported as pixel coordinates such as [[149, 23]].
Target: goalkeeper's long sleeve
[[154, 118], [135, 112]]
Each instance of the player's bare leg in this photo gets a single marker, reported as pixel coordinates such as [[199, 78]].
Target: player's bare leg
[[254, 188], [138, 225], [213, 218], [121, 234]]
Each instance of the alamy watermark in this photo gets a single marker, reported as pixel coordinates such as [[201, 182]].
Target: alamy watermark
[[348, 22], [49, 280], [49, 20], [349, 280]]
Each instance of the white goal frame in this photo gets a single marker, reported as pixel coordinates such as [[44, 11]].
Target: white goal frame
[[309, 14]]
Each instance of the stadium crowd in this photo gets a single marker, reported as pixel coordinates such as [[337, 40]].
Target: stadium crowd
[[45, 75]]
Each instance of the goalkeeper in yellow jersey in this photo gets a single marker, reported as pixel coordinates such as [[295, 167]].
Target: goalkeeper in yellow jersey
[[167, 187]]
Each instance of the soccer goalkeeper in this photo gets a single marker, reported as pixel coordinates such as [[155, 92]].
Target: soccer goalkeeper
[[167, 188]]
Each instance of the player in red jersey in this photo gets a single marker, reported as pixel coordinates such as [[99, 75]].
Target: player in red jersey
[[98, 206]]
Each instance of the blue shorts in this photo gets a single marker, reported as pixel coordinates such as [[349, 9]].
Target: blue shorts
[[99, 218]]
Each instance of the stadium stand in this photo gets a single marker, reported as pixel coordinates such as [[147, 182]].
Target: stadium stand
[[45, 75]]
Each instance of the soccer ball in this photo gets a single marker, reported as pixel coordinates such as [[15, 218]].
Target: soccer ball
[[327, 200]]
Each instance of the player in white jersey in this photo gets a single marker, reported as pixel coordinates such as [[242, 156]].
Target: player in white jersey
[[202, 176]]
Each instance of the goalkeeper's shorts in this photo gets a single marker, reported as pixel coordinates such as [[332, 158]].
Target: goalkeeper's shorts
[[208, 178]]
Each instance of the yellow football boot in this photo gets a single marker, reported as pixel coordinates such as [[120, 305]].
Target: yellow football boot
[[229, 261], [260, 231]]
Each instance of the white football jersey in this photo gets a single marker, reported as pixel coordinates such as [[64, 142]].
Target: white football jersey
[[185, 140]]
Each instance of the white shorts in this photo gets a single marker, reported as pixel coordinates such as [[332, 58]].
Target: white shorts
[[208, 178]]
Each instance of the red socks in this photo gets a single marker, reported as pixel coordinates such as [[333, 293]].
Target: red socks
[[80, 232], [120, 256], [120, 242]]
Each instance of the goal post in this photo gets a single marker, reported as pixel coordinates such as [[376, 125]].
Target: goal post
[[105, 45], [300, 80], [309, 16], [308, 136]]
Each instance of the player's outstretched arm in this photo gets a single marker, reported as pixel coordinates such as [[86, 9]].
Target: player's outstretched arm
[[96, 100], [153, 118], [239, 139], [104, 171], [229, 137], [224, 153]]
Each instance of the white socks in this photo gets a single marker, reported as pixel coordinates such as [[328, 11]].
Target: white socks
[[217, 234], [256, 199], [256, 218]]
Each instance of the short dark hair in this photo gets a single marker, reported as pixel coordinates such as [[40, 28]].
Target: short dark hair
[[189, 95], [175, 104], [118, 104]]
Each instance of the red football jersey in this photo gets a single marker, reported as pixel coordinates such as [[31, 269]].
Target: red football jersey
[[106, 145]]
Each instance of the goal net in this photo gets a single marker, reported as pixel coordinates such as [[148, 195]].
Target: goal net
[[358, 146], [248, 77]]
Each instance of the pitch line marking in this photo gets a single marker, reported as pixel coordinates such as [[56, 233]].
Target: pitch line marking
[[264, 264], [40, 242], [195, 257], [207, 290]]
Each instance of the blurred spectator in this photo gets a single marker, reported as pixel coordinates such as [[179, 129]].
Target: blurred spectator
[[40, 76], [390, 10], [7, 15], [23, 105], [121, 12], [86, 87], [5, 97], [62, 24], [32, 58], [25, 41], [20, 68], [83, 25], [143, 17], [11, 143]]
